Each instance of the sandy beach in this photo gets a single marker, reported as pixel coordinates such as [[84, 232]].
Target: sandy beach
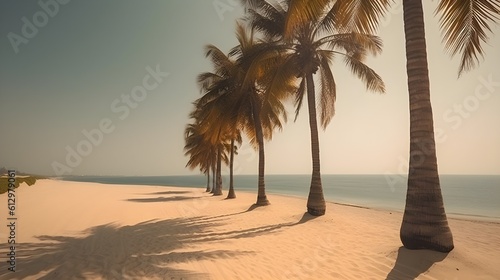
[[72, 230]]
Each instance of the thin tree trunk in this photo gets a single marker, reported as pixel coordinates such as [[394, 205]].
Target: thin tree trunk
[[208, 181], [315, 202], [424, 225], [261, 195], [231, 193], [213, 173], [218, 180]]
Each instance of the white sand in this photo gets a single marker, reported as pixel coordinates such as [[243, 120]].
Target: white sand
[[70, 230]]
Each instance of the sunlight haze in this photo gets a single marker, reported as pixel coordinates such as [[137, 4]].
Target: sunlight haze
[[78, 71]]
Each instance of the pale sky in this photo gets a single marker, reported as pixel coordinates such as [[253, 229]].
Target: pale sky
[[70, 70]]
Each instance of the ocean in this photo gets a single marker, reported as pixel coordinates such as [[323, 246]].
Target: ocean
[[464, 195]]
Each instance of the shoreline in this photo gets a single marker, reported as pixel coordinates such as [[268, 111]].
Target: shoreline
[[107, 231], [458, 216]]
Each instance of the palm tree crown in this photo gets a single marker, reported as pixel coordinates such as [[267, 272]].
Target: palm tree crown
[[306, 52]]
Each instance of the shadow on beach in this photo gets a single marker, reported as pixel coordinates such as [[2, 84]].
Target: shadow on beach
[[147, 249], [150, 249], [411, 263], [160, 199]]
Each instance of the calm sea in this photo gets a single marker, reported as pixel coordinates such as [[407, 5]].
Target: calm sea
[[471, 195]]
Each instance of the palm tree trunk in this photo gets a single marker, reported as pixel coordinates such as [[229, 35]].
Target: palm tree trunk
[[424, 225], [315, 202], [213, 172], [261, 195], [231, 193], [218, 180], [208, 181], [208, 175]]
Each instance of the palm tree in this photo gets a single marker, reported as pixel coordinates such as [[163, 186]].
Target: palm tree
[[218, 132], [260, 111], [309, 51], [232, 151], [205, 151], [237, 101], [200, 153], [424, 225], [218, 88], [464, 25]]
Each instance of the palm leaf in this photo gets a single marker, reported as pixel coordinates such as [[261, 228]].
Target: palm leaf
[[299, 97], [464, 24], [303, 12], [371, 79], [361, 16], [328, 89]]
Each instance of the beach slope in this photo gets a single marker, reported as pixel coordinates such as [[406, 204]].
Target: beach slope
[[73, 230]]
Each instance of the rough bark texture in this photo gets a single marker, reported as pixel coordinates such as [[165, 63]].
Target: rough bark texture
[[261, 195], [218, 179], [208, 180], [213, 178], [316, 202], [424, 225], [231, 193]]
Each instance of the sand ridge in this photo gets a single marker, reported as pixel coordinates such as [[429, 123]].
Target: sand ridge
[[73, 230]]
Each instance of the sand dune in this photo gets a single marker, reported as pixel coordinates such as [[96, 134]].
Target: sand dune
[[70, 230]]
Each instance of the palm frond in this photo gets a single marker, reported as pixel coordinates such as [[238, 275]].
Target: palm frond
[[221, 62], [299, 97], [303, 12], [353, 42], [270, 27], [361, 16], [328, 90], [371, 79], [464, 24]]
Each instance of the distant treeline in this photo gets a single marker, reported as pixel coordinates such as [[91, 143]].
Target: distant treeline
[[30, 180]]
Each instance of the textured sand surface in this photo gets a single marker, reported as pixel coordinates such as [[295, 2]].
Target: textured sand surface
[[70, 230]]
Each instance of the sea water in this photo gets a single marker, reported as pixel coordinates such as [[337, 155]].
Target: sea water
[[470, 195]]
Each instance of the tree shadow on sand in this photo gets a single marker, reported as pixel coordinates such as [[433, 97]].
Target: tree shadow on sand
[[149, 249], [411, 263], [161, 199], [146, 250], [169, 192]]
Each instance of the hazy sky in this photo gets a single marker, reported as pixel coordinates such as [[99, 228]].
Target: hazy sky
[[105, 88]]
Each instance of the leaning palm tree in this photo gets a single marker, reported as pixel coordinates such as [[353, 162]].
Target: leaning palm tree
[[464, 25], [309, 51]]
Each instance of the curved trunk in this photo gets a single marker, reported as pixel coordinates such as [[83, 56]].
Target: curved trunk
[[424, 223], [231, 193], [261, 196], [218, 179], [315, 202]]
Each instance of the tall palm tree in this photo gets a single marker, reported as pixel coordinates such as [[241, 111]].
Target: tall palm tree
[[424, 221], [464, 25], [218, 130], [260, 111], [240, 103], [309, 52], [232, 151]]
